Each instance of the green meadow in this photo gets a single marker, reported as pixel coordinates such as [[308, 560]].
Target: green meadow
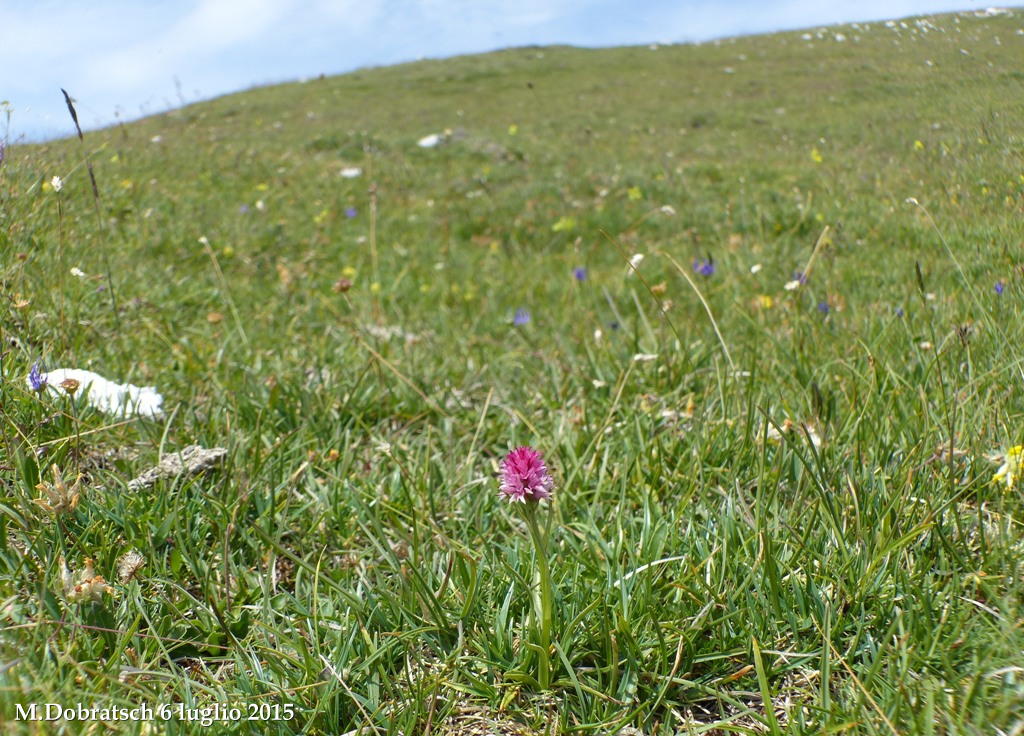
[[757, 302]]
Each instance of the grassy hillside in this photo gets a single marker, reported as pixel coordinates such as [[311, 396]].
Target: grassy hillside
[[774, 508]]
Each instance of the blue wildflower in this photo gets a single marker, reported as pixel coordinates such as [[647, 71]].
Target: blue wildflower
[[521, 317], [580, 273], [999, 287], [243, 209], [823, 307], [36, 379], [351, 212], [704, 266]]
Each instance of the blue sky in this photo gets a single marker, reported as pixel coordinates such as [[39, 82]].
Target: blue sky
[[127, 59]]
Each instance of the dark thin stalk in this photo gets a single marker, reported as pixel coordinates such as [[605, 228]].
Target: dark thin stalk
[[95, 199]]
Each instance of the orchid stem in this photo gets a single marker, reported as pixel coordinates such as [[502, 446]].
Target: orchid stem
[[542, 596]]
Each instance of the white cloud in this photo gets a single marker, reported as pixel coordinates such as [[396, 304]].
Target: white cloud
[[357, 15], [212, 28]]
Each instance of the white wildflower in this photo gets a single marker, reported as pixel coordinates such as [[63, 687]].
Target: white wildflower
[[89, 587], [791, 429], [129, 565], [58, 497]]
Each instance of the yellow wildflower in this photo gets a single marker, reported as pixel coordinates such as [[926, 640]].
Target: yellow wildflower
[[1009, 471], [634, 194], [816, 156], [564, 224]]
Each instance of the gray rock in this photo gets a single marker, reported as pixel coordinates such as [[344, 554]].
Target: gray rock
[[190, 461]]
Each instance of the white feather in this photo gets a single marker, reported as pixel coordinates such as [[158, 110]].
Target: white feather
[[119, 399]]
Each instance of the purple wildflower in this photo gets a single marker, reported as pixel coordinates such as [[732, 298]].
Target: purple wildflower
[[899, 311], [800, 277], [351, 212], [823, 307], [999, 287], [243, 209], [521, 317], [524, 476], [36, 379], [580, 273], [704, 266]]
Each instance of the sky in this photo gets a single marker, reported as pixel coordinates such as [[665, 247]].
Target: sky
[[122, 59]]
